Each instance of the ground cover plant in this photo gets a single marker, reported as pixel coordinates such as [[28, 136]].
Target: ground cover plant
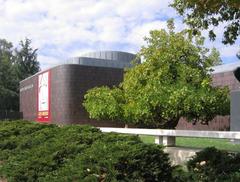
[[37, 152], [214, 165]]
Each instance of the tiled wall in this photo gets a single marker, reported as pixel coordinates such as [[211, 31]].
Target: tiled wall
[[219, 122], [28, 98], [69, 83], [226, 79]]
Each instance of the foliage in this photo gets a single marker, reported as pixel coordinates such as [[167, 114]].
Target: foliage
[[204, 14], [173, 82], [8, 78], [104, 102], [36, 152], [117, 158], [215, 56], [215, 165], [15, 65], [26, 59]]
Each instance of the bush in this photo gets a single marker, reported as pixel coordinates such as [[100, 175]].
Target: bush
[[118, 158], [38, 152], [214, 165]]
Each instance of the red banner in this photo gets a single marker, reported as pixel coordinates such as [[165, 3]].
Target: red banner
[[43, 101]]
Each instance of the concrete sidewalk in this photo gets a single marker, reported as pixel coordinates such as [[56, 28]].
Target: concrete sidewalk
[[180, 155]]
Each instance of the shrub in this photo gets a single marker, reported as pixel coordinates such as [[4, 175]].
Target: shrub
[[118, 158], [215, 165], [37, 152]]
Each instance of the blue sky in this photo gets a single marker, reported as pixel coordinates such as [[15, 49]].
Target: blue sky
[[66, 28]]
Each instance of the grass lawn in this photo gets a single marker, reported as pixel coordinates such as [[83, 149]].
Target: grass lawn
[[222, 144]]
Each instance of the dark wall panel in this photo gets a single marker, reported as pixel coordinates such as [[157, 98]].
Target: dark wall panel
[[28, 98], [235, 111], [69, 84], [226, 79], [220, 122]]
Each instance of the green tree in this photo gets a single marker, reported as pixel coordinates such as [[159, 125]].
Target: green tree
[[173, 82], [15, 65], [205, 14], [215, 56], [26, 60], [8, 77]]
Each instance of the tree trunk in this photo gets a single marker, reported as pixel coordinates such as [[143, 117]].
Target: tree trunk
[[170, 124]]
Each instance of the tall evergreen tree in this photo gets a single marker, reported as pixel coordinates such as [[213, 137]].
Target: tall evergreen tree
[[15, 65], [8, 77], [26, 60]]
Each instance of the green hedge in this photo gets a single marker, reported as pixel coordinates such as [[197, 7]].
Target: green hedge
[[215, 165], [38, 152]]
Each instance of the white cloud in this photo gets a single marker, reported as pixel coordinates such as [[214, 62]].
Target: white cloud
[[47, 62], [63, 28], [136, 35], [228, 51]]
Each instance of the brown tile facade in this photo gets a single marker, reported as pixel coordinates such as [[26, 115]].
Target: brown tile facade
[[70, 82], [226, 79], [219, 122], [28, 98]]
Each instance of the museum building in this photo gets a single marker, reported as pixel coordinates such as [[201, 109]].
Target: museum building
[[55, 95]]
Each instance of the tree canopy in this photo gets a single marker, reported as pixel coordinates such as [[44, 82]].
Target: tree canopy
[[174, 81], [205, 14], [26, 59], [8, 79], [215, 56], [15, 65]]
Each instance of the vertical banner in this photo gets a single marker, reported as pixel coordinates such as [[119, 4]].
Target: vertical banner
[[43, 105]]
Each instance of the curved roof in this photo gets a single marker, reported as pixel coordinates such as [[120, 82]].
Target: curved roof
[[225, 67], [112, 59], [111, 55]]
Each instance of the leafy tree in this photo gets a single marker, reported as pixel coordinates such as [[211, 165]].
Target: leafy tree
[[173, 82], [8, 78], [205, 14], [15, 65], [215, 56], [26, 59]]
